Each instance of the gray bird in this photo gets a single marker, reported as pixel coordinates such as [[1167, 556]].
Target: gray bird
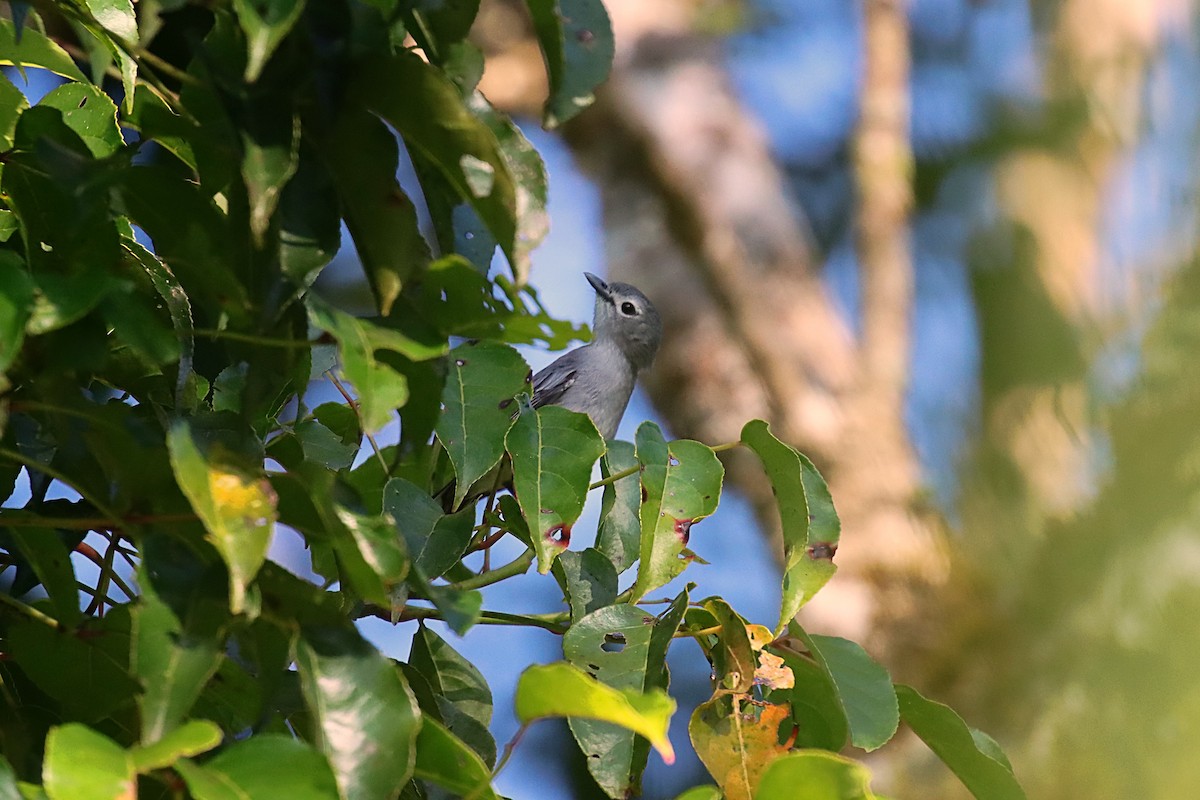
[[597, 379]]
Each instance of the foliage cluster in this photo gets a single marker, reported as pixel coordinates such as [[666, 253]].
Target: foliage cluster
[[161, 228]]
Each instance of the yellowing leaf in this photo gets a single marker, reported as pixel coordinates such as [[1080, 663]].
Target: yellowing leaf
[[737, 740], [237, 511], [564, 690]]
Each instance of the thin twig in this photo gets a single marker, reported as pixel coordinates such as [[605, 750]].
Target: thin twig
[[24, 520], [29, 611], [249, 338], [354, 407], [517, 566], [508, 750]]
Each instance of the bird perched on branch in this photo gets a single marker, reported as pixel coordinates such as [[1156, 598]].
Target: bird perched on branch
[[596, 379]]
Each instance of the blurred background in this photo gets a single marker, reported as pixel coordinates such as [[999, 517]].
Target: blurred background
[[949, 249]]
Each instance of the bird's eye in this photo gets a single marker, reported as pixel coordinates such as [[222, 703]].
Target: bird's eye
[[628, 309]]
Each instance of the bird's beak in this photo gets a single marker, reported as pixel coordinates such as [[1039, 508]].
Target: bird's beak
[[599, 285]]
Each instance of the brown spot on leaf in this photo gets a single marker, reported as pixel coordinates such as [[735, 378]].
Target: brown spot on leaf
[[560, 535], [645, 494], [584, 36], [822, 550], [683, 529], [505, 403]]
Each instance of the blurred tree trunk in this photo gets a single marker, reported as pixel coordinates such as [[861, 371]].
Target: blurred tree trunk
[[697, 213]]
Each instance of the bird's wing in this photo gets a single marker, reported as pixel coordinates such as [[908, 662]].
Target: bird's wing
[[552, 383]]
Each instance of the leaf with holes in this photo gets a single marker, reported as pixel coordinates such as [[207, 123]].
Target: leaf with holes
[[681, 485], [588, 580], [808, 562], [577, 42], [552, 451], [237, 510], [563, 690], [972, 755], [737, 739], [624, 647], [478, 408], [90, 113]]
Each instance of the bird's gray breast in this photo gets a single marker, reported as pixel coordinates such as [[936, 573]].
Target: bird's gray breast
[[603, 382]]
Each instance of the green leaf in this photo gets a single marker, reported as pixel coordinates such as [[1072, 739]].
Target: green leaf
[[381, 389], [381, 548], [90, 113], [427, 110], [270, 155], [363, 155], [193, 738], [577, 42], [588, 580], [681, 485], [8, 781], [552, 451], [16, 301], [563, 690], [462, 695], [701, 793], [864, 688], [806, 568], [237, 510], [263, 767], [460, 608], [310, 221], [478, 408], [446, 760], [12, 104], [51, 562], [529, 181], [438, 541], [84, 765], [116, 17], [61, 300], [34, 49], [815, 775], [620, 530], [816, 708], [83, 670], [737, 739], [365, 717], [733, 659], [323, 446], [438, 24], [173, 664], [266, 23], [624, 647], [987, 777]]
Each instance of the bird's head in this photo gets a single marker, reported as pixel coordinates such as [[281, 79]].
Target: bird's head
[[626, 317]]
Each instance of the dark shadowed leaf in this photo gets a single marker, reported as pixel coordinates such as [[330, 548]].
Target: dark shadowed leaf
[[266, 23], [119, 22], [564, 690], [173, 665], [552, 451], [620, 531], [815, 775], [437, 542], [365, 716], [959, 748], [816, 709], [463, 699], [428, 111], [263, 767], [362, 155], [45, 552], [806, 568], [577, 41], [16, 300], [478, 408], [270, 153], [84, 765], [681, 485], [310, 230]]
